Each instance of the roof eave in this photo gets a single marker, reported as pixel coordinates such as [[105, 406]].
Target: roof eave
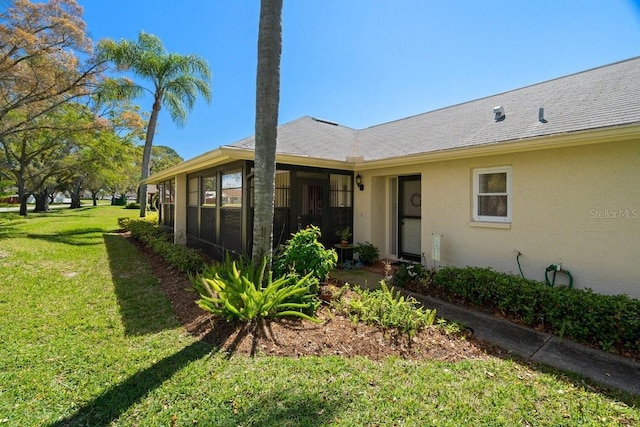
[[318, 162], [570, 139], [209, 159], [227, 154]]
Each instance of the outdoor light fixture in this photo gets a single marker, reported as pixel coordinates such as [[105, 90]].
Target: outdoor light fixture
[[359, 182]]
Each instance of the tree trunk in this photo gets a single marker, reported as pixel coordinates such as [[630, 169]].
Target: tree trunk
[[42, 200], [44, 197], [94, 197], [146, 153], [267, 102], [23, 195], [23, 203], [75, 194]]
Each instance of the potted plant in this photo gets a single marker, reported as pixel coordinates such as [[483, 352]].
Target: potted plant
[[344, 235], [368, 253]]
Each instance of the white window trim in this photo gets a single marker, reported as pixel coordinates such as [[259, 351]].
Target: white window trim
[[509, 194]]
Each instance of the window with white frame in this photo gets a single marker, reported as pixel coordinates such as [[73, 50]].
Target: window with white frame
[[492, 194]]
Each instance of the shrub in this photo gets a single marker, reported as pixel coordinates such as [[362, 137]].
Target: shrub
[[305, 255], [123, 223], [608, 321], [383, 307], [367, 252], [180, 257], [408, 273], [251, 294]]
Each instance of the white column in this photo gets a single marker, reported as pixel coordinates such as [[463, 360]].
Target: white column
[[180, 221]]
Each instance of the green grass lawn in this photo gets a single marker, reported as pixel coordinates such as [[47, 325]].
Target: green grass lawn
[[88, 339]]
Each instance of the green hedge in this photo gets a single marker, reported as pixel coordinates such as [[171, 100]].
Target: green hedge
[[180, 257], [611, 322]]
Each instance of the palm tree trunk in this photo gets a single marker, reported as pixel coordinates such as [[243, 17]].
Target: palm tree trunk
[[267, 102], [146, 153]]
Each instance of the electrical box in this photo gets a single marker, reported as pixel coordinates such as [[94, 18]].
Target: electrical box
[[435, 246]]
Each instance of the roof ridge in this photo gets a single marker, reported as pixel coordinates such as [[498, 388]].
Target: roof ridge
[[503, 93]]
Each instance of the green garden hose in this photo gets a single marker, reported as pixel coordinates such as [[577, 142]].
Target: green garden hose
[[519, 266], [555, 270]]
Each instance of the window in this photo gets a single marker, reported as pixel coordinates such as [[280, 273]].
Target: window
[[192, 189], [209, 191], [232, 189], [492, 194]]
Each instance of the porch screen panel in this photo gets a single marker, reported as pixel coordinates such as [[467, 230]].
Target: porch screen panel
[[208, 224], [169, 215], [340, 201], [168, 208], [281, 226], [192, 190], [192, 220], [282, 194], [192, 206], [209, 191], [341, 189], [282, 208], [231, 211], [231, 229], [160, 205], [231, 189]]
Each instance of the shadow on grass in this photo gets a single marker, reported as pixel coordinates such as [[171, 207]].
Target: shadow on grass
[[107, 407], [143, 307], [292, 407], [76, 237]]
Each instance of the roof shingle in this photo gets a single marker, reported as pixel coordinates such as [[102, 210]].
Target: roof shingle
[[602, 97]]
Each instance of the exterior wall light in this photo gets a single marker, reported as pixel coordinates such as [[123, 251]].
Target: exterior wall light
[[359, 182]]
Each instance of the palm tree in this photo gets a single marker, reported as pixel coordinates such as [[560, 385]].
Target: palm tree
[[267, 101], [177, 80]]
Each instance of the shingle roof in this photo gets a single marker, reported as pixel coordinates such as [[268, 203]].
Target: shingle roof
[[311, 137], [602, 97]]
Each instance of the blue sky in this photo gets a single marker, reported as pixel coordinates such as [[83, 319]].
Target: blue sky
[[366, 62]]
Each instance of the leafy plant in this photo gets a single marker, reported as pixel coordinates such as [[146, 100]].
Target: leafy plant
[[251, 294], [124, 222], [304, 255], [367, 252], [344, 233], [408, 273], [385, 308]]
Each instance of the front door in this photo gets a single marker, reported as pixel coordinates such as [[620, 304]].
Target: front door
[[313, 203], [409, 217]]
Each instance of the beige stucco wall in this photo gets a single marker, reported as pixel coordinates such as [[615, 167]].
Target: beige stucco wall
[[579, 205]]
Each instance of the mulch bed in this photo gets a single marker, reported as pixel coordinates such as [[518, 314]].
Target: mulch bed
[[336, 335]]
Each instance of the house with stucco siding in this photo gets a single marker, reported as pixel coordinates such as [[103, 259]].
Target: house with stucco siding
[[547, 174]]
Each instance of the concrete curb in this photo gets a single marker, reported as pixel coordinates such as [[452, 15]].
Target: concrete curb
[[608, 369]]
